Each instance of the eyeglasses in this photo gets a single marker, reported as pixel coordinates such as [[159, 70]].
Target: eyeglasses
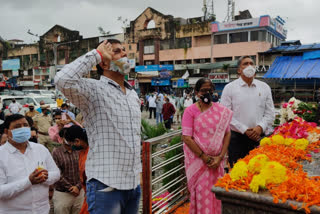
[[118, 50], [206, 90]]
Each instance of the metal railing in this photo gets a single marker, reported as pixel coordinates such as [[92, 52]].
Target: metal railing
[[164, 184]]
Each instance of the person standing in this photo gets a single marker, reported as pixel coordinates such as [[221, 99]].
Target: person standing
[[159, 116], [206, 136], [112, 117], [188, 101], [168, 111], [31, 113], [252, 104], [65, 109], [26, 170], [43, 122], [68, 195], [59, 101], [152, 106], [14, 107]]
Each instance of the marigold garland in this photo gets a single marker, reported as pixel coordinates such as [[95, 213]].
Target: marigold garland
[[275, 166]]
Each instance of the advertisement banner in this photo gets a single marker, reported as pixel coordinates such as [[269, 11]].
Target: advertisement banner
[[146, 68], [234, 25], [219, 77], [166, 68], [11, 64]]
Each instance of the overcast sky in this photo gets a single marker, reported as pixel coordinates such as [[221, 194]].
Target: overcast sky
[[17, 16]]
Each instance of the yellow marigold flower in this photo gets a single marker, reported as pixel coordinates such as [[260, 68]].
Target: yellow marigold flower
[[256, 182], [277, 139], [265, 141], [289, 141], [274, 173], [257, 163], [301, 144], [239, 171]]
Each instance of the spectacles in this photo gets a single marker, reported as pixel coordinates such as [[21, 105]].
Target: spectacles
[[118, 50], [206, 90]]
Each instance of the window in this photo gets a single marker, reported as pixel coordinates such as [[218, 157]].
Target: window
[[220, 39], [149, 46], [149, 62], [183, 43], [151, 24], [166, 44], [259, 35], [223, 59], [238, 37], [269, 37]]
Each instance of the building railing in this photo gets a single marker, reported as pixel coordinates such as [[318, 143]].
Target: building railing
[[164, 184]]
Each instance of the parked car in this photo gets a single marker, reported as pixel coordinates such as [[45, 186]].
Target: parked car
[[40, 92], [26, 100]]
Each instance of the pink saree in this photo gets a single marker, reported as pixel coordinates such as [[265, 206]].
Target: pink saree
[[207, 129]]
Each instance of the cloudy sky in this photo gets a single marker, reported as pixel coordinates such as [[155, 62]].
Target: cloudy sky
[[18, 16]]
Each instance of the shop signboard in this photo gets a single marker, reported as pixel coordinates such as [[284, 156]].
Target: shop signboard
[[219, 77], [11, 64], [166, 68], [146, 68], [160, 82]]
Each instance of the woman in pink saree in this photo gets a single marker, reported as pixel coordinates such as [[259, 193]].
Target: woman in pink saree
[[206, 135]]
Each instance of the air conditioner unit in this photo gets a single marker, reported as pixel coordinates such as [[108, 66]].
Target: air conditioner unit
[[196, 71]]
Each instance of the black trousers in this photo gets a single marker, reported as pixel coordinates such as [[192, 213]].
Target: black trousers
[[167, 124], [151, 109], [240, 146]]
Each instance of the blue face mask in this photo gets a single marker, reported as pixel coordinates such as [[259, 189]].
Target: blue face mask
[[21, 135]]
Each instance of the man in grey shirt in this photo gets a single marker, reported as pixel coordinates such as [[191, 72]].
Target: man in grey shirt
[[159, 103]]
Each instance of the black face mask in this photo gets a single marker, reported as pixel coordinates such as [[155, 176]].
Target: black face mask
[[31, 109], [206, 98], [33, 139], [76, 148]]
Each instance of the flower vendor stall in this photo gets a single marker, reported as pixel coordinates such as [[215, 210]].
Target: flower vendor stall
[[282, 175]]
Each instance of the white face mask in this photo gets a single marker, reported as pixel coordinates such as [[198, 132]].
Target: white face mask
[[121, 65], [249, 71]]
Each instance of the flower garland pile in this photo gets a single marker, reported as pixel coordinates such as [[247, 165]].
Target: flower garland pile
[[275, 166], [296, 108]]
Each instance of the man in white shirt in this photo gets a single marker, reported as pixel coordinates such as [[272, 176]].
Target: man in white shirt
[[112, 117], [26, 171], [253, 110], [152, 106], [14, 107]]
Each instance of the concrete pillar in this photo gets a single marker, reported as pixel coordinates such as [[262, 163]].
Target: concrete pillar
[[157, 51], [141, 52]]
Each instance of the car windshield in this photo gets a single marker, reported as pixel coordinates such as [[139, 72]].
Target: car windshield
[[32, 92], [22, 101], [46, 100], [19, 93]]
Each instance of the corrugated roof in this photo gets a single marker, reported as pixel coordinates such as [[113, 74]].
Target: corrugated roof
[[294, 67]]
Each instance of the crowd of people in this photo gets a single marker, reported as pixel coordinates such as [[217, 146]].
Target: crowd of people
[[92, 163]]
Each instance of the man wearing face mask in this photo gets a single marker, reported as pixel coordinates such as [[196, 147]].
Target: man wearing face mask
[[168, 111], [253, 110], [43, 122], [31, 113], [68, 195], [26, 170], [112, 117]]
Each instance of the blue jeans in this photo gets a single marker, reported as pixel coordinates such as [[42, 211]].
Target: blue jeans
[[158, 115], [111, 202]]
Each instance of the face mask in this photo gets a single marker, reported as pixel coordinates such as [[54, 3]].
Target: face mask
[[31, 109], [249, 71], [21, 135], [64, 110], [33, 139], [76, 148], [121, 65], [206, 98]]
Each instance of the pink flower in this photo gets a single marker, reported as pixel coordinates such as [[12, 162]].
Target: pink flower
[[308, 155], [316, 151], [309, 112], [284, 105]]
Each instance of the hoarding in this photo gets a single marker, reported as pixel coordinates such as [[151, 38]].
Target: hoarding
[[11, 64]]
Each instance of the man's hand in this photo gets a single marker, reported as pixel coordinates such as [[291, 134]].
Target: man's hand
[[74, 191], [254, 133], [105, 48], [38, 176]]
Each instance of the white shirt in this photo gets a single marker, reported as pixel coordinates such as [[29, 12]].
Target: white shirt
[[152, 102], [251, 106], [14, 107], [112, 120], [188, 102], [17, 194]]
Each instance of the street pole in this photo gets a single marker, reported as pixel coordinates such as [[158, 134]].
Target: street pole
[[55, 47]]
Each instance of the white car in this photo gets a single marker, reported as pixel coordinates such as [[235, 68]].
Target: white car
[[47, 100], [47, 93], [25, 101]]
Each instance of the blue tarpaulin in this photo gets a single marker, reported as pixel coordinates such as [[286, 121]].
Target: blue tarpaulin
[[294, 67], [311, 55]]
